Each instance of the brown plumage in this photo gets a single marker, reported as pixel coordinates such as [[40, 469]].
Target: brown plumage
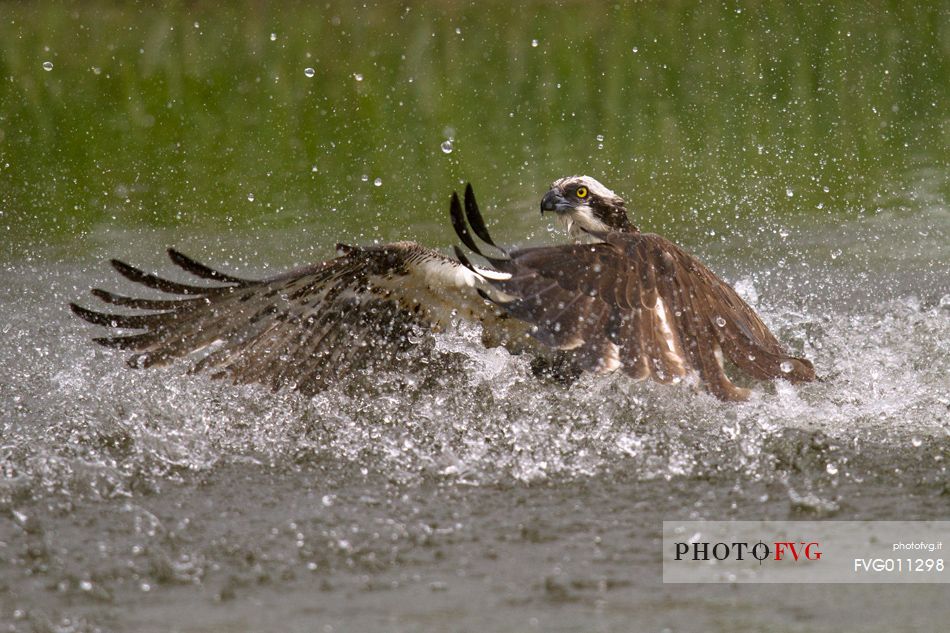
[[308, 328], [631, 301]]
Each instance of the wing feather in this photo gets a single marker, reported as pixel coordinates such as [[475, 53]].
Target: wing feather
[[306, 328], [745, 340], [639, 303], [634, 302]]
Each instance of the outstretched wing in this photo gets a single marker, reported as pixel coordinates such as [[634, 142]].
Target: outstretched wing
[[639, 303], [305, 328]]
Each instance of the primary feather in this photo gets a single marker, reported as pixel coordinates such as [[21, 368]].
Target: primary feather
[[305, 328]]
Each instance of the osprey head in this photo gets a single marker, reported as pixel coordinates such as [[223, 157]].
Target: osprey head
[[583, 204]]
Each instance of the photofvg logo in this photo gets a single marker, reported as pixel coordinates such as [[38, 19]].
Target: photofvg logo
[[804, 551], [760, 551]]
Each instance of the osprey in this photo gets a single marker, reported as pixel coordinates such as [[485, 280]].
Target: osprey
[[623, 300]]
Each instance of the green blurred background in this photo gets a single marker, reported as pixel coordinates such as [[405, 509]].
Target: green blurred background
[[705, 115]]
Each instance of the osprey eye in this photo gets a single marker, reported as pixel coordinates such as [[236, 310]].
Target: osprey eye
[[581, 192]]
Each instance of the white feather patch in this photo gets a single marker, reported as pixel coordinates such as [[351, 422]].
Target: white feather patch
[[672, 353], [573, 343], [583, 215], [594, 185], [717, 351], [660, 310], [610, 361], [487, 273]]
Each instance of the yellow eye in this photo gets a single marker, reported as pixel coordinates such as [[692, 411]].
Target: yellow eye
[[581, 192]]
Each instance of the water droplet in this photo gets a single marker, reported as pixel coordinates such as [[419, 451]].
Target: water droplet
[[831, 469], [600, 138], [458, 31], [327, 500], [835, 254], [273, 37], [47, 66], [786, 366], [721, 322], [635, 49], [250, 197], [309, 72], [751, 357], [85, 585], [789, 192], [365, 177], [358, 76], [447, 146], [534, 43], [916, 442], [378, 182]]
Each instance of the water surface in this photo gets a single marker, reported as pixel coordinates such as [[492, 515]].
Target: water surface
[[800, 152]]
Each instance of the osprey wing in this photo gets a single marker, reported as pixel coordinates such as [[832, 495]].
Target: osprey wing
[[305, 328], [707, 309], [639, 303]]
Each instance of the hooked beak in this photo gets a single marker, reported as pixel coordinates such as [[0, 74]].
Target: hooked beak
[[554, 201]]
